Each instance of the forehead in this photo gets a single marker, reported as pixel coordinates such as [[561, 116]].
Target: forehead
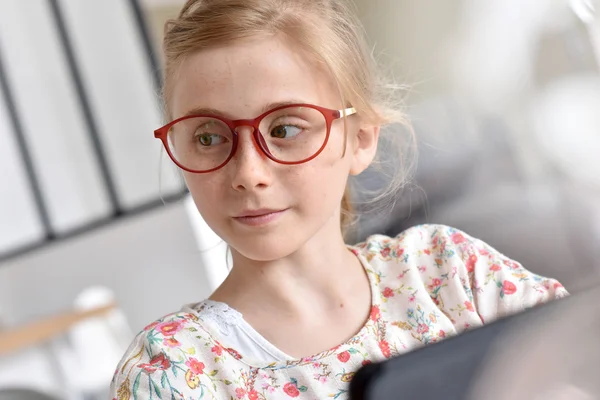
[[241, 78]]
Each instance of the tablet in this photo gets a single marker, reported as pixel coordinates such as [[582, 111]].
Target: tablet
[[549, 351]]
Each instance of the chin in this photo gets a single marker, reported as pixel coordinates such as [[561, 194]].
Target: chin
[[265, 248]]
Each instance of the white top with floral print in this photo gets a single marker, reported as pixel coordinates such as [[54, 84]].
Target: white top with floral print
[[427, 283], [235, 331]]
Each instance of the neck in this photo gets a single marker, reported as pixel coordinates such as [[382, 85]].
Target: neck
[[319, 274]]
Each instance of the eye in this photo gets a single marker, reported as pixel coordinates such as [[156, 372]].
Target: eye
[[209, 139], [285, 131]]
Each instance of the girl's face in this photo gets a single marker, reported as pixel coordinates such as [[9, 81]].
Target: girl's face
[[265, 210]]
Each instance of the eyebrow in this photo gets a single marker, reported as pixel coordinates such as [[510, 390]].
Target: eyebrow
[[223, 114]]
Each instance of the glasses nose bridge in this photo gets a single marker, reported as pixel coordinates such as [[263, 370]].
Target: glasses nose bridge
[[256, 138], [253, 123]]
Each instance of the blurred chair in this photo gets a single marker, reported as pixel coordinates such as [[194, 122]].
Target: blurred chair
[[32, 368], [96, 344], [77, 350], [45, 329], [24, 394]]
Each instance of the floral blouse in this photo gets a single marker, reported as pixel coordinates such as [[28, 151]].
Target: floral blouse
[[428, 283]]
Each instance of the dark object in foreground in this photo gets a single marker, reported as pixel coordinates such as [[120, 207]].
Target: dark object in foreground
[[543, 350]]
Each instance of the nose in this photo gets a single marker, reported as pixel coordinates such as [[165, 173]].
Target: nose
[[250, 166]]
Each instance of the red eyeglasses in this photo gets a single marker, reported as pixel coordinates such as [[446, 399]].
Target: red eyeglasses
[[290, 134]]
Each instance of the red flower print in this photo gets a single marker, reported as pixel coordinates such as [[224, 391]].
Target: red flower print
[[471, 263], [344, 357], [291, 390], [253, 395], [495, 268], [385, 252], [171, 342], [160, 362], [457, 238], [384, 346], [557, 285], [427, 251], [170, 328], [436, 282], [508, 287], [218, 350], [355, 252], [190, 316], [195, 366], [151, 326], [149, 368], [375, 313], [388, 292], [239, 393], [469, 306], [442, 334], [234, 353], [422, 328], [366, 362], [511, 264]]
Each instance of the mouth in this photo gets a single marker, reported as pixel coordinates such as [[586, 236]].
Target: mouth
[[259, 217]]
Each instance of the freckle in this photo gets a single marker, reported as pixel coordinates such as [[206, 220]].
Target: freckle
[[341, 305]]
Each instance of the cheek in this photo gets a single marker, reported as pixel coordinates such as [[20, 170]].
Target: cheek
[[338, 139], [334, 157], [204, 189], [321, 182]]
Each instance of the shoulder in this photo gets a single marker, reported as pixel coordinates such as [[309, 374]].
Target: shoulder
[[456, 270], [418, 241], [421, 255], [168, 357]]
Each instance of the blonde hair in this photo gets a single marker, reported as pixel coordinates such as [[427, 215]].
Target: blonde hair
[[329, 30]]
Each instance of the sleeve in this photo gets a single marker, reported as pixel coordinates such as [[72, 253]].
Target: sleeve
[[492, 284], [157, 366]]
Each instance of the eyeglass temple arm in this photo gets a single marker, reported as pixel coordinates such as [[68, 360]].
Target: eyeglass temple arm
[[347, 112]]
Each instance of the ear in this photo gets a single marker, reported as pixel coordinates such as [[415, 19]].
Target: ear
[[365, 148]]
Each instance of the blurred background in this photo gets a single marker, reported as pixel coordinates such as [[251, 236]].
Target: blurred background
[[98, 237]]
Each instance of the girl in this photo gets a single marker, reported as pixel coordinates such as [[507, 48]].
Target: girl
[[274, 104]]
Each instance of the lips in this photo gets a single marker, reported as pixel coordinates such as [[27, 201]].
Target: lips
[[257, 213], [259, 217]]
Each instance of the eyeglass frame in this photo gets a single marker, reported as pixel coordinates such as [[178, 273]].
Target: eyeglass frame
[[330, 115]]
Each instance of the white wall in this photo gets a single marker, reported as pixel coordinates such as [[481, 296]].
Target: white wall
[[151, 261], [119, 85]]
